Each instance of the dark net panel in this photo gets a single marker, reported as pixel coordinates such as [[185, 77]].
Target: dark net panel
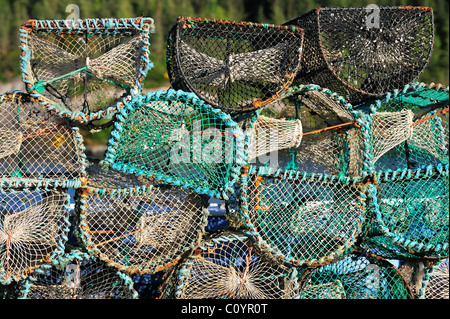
[[82, 69], [236, 66], [355, 277], [347, 51]]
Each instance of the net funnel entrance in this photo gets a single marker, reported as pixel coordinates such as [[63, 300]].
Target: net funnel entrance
[[139, 229], [362, 53], [333, 135], [355, 277], [78, 276], [178, 139], [229, 266], [34, 227], [409, 128], [235, 66], [85, 69], [305, 220], [37, 146], [411, 214]]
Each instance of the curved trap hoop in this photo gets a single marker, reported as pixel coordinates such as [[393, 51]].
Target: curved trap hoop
[[303, 219], [34, 225], [36, 146], [178, 139], [410, 127], [143, 228], [362, 53], [355, 277], [235, 66], [85, 70], [77, 275], [412, 214], [229, 266]]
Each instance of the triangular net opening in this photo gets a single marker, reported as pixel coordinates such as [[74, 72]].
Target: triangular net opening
[[236, 66]]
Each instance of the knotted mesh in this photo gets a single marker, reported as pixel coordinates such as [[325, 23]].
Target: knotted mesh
[[35, 144], [78, 276], [33, 229], [236, 66], [332, 141], [271, 135], [303, 219], [143, 227], [409, 128], [355, 277], [362, 53], [411, 215], [229, 266], [178, 139], [85, 69], [438, 283]]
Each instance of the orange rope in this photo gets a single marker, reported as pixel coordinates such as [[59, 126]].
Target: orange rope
[[47, 130], [431, 116], [115, 238], [247, 266], [330, 128]]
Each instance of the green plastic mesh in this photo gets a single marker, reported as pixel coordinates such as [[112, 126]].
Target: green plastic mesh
[[355, 277], [303, 219], [362, 53], [178, 139], [34, 227], [144, 227], [78, 276], [85, 69], [412, 214], [35, 145], [409, 128], [229, 266], [233, 65]]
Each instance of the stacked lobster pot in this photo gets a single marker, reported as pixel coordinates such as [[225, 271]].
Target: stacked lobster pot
[[330, 159]]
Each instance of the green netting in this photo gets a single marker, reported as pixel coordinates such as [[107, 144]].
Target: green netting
[[77, 275], [144, 227], [34, 228], [229, 266], [85, 69], [412, 214], [349, 54], [355, 277], [36, 146], [178, 139], [409, 128], [236, 66], [303, 219]]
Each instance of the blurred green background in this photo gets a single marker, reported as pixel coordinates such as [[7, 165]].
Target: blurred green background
[[164, 12]]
